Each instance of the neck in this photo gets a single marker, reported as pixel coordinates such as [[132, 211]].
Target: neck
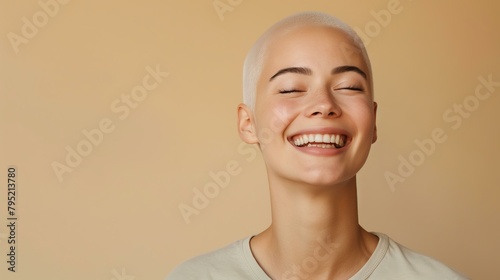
[[315, 233]]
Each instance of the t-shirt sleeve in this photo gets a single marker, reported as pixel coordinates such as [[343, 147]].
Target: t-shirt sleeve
[[227, 263], [188, 270], [403, 263]]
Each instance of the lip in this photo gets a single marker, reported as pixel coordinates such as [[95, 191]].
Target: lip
[[321, 151]]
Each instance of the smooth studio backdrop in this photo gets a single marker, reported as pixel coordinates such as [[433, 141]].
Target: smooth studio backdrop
[[117, 113]]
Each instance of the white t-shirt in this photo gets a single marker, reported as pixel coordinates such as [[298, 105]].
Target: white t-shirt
[[390, 260]]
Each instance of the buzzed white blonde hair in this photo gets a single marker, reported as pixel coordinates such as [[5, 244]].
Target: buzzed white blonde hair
[[254, 61]]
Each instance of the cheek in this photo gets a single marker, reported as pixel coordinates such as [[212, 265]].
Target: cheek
[[362, 113], [281, 115], [273, 122], [366, 127]]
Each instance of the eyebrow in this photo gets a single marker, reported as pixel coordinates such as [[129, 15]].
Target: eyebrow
[[307, 71], [349, 68], [297, 70]]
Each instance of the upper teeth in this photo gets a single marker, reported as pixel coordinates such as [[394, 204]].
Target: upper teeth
[[337, 139]]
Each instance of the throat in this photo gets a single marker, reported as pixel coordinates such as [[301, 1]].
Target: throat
[[331, 256]]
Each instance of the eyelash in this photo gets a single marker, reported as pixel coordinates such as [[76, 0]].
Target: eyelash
[[353, 88], [285, 91]]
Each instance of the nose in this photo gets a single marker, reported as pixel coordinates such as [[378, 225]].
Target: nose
[[323, 104]]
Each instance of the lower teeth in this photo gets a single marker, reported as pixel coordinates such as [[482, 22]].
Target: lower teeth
[[324, 146]]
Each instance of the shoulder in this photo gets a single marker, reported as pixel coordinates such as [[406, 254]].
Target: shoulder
[[403, 263], [225, 262]]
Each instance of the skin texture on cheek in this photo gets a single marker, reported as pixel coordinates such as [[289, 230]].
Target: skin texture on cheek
[[271, 124]]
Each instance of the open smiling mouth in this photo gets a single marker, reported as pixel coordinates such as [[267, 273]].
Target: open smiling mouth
[[325, 141]]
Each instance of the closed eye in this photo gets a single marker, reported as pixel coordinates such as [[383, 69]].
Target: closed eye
[[284, 91], [354, 88]]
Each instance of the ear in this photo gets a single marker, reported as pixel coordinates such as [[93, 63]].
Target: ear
[[246, 127], [375, 118]]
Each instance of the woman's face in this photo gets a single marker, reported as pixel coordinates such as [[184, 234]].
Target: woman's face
[[314, 114]]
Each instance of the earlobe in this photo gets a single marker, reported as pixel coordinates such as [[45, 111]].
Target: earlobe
[[375, 121], [246, 128]]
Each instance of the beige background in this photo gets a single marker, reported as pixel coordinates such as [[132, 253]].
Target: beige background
[[116, 214]]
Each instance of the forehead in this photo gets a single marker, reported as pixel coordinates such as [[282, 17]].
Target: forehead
[[312, 46]]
